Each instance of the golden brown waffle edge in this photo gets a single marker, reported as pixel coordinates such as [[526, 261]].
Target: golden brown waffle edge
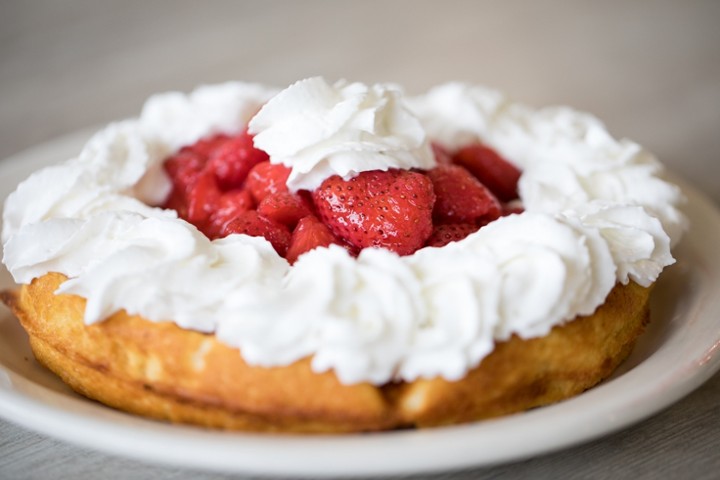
[[161, 371]]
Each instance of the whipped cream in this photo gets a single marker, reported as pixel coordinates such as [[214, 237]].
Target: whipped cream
[[597, 213], [568, 158], [320, 130]]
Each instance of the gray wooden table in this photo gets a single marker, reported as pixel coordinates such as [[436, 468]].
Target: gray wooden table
[[650, 69]]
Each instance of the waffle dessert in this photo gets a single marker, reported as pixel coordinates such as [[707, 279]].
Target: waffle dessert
[[339, 258]]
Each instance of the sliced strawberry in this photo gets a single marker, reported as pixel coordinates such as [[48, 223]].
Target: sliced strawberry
[[202, 199], [284, 207], [493, 171], [460, 197], [234, 202], [206, 146], [450, 232], [232, 160], [389, 209], [309, 233], [255, 225], [230, 205], [183, 168], [266, 178]]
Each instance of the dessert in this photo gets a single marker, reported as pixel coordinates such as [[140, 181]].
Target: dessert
[[334, 258]]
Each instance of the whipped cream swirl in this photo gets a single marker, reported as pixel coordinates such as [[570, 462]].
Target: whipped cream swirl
[[598, 213], [319, 130], [568, 158]]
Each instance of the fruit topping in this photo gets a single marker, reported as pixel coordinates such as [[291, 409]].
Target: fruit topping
[[389, 209], [492, 170], [202, 199], [460, 197], [183, 169], [231, 161], [230, 205], [284, 207], [450, 232], [253, 224], [309, 233], [267, 178], [206, 146], [224, 185]]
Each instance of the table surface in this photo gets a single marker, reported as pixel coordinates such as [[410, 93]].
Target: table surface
[[649, 69]]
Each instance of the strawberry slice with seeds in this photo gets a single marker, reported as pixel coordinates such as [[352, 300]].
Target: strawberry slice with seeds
[[206, 146], [232, 160], [230, 205], [450, 232], [284, 207], [253, 224], [310, 233], [388, 209], [266, 178], [493, 171], [183, 168], [461, 198], [202, 199]]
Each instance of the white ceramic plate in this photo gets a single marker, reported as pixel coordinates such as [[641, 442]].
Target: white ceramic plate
[[680, 350]]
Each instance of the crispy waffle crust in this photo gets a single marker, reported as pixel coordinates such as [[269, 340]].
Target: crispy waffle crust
[[161, 371]]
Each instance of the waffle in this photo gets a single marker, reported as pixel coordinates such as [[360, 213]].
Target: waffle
[[161, 371]]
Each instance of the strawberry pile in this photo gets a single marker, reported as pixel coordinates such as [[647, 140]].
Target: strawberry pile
[[224, 185]]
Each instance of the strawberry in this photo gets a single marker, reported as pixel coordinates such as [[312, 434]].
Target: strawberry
[[460, 197], [206, 146], [202, 199], [183, 168], [493, 171], [230, 205], [232, 160], [284, 207], [389, 209], [309, 233], [176, 201], [450, 232], [255, 225], [266, 178]]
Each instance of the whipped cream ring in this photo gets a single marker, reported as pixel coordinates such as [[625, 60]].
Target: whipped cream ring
[[597, 212]]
